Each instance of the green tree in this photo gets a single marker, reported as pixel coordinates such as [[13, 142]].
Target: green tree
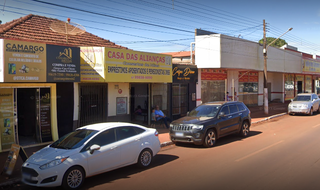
[[279, 43]]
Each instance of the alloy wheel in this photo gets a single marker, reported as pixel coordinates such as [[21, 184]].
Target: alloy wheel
[[74, 178]]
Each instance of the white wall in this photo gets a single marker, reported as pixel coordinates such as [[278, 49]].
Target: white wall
[[221, 51], [207, 51], [238, 53], [277, 85], [260, 88], [233, 74], [113, 94]]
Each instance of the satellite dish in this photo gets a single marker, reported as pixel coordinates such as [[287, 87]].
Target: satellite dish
[[67, 28]]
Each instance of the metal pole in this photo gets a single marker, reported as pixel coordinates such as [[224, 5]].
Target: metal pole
[[265, 90]]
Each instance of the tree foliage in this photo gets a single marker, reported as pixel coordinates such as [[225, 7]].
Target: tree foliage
[[279, 43]]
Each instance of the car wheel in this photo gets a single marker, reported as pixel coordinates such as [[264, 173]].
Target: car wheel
[[245, 129], [145, 158], [210, 139], [311, 111], [73, 178]]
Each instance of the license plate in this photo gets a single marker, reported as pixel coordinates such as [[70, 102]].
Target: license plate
[[26, 176], [179, 134]]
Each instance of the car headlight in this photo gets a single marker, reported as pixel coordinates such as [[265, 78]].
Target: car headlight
[[197, 127], [52, 163]]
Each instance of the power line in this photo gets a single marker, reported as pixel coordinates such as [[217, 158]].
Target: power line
[[110, 16]]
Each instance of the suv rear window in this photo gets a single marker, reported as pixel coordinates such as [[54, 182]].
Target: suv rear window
[[241, 107], [233, 108]]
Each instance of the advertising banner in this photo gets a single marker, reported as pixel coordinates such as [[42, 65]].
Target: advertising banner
[[213, 74], [45, 115], [63, 64], [310, 66], [6, 117], [245, 76], [92, 64], [184, 73], [133, 66], [24, 61]]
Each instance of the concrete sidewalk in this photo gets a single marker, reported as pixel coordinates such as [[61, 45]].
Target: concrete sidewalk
[[257, 115]]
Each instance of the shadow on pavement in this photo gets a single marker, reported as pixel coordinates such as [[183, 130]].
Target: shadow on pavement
[[125, 172], [222, 141]]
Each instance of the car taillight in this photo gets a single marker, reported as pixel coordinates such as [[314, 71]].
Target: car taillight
[[156, 133]]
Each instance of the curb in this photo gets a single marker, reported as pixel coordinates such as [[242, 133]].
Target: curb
[[164, 144], [10, 182], [268, 118]]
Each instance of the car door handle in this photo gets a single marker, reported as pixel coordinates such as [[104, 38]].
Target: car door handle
[[240, 113], [137, 139], [230, 116], [112, 148]]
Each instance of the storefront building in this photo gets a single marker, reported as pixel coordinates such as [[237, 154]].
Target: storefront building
[[184, 80], [36, 91], [114, 82], [228, 65]]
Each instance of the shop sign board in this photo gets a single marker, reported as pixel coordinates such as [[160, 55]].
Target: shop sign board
[[124, 65], [251, 76], [24, 61], [63, 64], [13, 155], [121, 105], [92, 64], [213, 74], [45, 115], [311, 66], [6, 117], [184, 73]]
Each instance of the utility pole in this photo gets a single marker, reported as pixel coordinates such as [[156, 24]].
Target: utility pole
[[265, 86]]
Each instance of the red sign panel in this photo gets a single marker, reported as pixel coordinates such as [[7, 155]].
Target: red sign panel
[[249, 76], [213, 74]]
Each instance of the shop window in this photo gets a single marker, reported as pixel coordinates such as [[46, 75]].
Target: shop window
[[212, 91], [289, 86]]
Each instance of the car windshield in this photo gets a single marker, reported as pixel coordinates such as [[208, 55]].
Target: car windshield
[[205, 111], [302, 98], [74, 139]]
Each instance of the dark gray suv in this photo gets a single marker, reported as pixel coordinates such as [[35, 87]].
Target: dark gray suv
[[210, 121]]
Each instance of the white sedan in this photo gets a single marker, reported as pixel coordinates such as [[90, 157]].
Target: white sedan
[[305, 103], [88, 151]]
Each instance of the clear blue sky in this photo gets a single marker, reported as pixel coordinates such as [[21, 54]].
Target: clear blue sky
[[168, 25]]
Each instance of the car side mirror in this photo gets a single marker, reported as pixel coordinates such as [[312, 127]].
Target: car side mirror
[[93, 148], [221, 114]]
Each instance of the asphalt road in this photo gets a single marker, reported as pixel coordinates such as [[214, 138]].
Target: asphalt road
[[283, 153]]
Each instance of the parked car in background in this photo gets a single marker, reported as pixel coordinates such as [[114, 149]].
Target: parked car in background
[[210, 121], [304, 103], [88, 151]]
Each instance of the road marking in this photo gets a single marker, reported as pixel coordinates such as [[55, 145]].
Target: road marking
[[316, 126], [256, 152]]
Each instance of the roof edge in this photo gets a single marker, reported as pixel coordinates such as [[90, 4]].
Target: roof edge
[[7, 26]]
